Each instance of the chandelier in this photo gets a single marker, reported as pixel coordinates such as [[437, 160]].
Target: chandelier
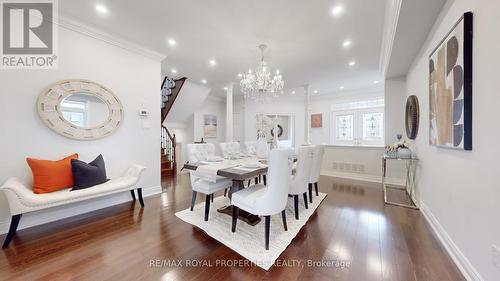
[[258, 85]]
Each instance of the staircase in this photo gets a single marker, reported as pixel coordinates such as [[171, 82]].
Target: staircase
[[168, 141]]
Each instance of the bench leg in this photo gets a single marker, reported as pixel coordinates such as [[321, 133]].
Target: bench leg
[[133, 194], [139, 193], [311, 193], [193, 200], [14, 223]]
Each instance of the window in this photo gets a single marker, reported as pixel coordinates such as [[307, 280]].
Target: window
[[75, 112], [358, 122]]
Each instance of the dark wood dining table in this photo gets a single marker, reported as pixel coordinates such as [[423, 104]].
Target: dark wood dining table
[[238, 176]]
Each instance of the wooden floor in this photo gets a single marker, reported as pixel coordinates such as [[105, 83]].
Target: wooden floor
[[352, 226]]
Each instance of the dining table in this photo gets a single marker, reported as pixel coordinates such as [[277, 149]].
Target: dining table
[[239, 174]]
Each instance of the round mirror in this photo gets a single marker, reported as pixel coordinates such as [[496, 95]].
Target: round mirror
[[84, 110], [412, 117], [80, 109]]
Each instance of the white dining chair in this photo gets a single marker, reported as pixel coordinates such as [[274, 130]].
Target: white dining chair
[[200, 152], [300, 180], [251, 147], [229, 148], [208, 188], [267, 201], [319, 150]]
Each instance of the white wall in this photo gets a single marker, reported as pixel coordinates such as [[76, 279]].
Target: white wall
[[395, 104], [460, 190], [134, 78], [211, 106]]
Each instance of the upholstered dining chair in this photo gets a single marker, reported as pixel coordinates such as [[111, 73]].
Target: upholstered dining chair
[[267, 201], [229, 148], [208, 188], [319, 150], [300, 180], [251, 147], [200, 152]]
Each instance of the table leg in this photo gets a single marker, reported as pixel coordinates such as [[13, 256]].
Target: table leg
[[245, 216]]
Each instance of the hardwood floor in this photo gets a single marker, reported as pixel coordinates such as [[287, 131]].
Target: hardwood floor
[[123, 242]]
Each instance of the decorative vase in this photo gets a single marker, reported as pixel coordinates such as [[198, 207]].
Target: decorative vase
[[404, 153]]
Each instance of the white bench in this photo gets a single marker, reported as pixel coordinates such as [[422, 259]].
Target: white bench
[[22, 199]]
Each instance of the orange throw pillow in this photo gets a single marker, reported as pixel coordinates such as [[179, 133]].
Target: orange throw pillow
[[50, 176]]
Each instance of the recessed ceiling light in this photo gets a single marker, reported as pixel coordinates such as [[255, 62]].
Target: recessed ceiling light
[[352, 63], [315, 91], [204, 81], [212, 62], [240, 75], [173, 71], [375, 82], [346, 43], [225, 88], [337, 10], [172, 42], [293, 92], [101, 9], [342, 87]]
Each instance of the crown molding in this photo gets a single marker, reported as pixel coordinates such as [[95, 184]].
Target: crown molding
[[393, 8], [346, 93], [79, 27]]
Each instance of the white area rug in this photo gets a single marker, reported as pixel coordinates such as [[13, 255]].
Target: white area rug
[[248, 240]]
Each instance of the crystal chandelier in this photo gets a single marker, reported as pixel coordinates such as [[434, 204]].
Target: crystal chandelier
[[258, 85]]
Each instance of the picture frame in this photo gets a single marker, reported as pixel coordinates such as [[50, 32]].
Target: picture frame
[[450, 88]]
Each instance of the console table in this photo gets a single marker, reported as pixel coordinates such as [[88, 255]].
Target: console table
[[410, 184]]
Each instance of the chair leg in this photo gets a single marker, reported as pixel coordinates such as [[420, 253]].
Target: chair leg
[[305, 200], [268, 225], [14, 223], [265, 179], [225, 192], [316, 188], [133, 194], [235, 218], [212, 197], [256, 180], [310, 193], [139, 193], [296, 206], [207, 206], [193, 200], [283, 217], [249, 182], [260, 178]]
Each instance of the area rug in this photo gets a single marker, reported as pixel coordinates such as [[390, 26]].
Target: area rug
[[248, 241]]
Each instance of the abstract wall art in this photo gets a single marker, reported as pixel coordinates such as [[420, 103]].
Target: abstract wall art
[[210, 126], [317, 120], [450, 88]]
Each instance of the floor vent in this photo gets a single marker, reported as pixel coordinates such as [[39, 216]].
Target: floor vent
[[349, 167]]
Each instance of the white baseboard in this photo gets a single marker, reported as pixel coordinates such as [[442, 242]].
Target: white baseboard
[[463, 264], [362, 177], [61, 212]]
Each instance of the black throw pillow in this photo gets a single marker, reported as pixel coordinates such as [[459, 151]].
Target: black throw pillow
[[87, 175]]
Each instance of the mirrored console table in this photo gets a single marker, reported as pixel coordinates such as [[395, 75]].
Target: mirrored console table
[[410, 184]]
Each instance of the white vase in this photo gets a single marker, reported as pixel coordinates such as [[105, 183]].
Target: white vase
[[404, 153]]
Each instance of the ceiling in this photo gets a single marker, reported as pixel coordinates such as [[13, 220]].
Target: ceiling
[[305, 40], [415, 21]]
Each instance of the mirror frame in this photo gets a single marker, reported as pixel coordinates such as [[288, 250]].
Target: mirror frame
[[412, 117], [49, 110]]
